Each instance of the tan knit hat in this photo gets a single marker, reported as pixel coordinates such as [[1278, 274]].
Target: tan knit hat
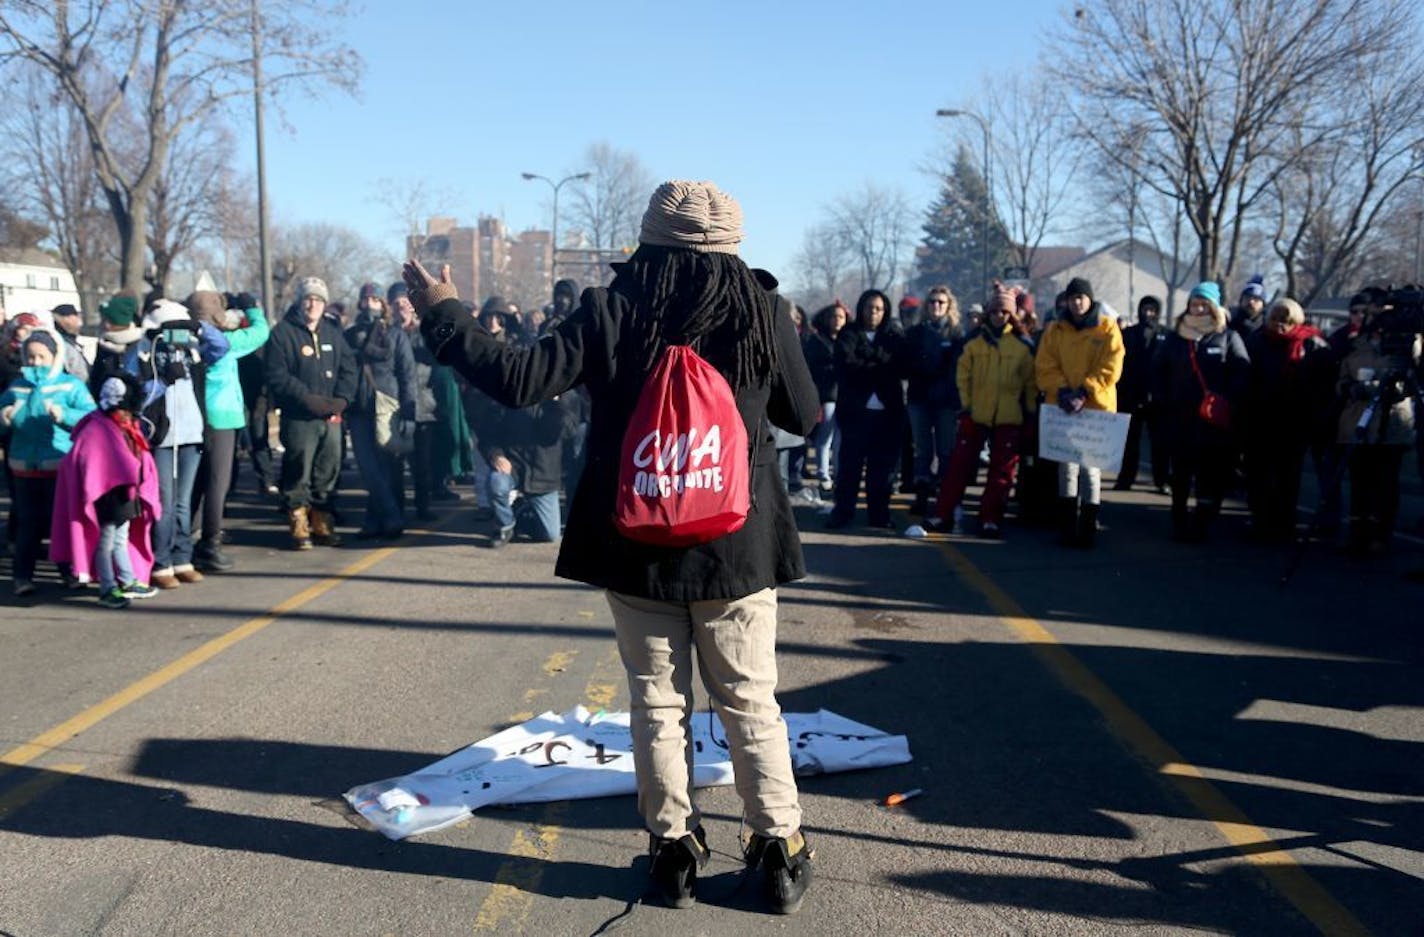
[[313, 286], [693, 215]]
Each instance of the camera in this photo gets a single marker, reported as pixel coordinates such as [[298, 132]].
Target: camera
[[180, 338]]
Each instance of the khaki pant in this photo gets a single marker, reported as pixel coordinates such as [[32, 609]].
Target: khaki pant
[[736, 653]]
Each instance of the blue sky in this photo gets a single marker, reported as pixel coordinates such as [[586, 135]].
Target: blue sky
[[785, 105]]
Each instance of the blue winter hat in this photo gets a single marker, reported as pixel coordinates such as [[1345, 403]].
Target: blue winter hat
[[1207, 290], [1255, 287]]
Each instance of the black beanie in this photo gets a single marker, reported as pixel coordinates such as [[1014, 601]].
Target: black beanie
[[41, 337], [566, 288], [396, 291], [1079, 286], [1152, 301]]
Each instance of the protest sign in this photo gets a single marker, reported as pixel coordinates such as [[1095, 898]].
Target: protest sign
[[1093, 438], [577, 755]]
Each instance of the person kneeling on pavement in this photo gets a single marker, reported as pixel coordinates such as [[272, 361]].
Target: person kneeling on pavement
[[525, 452], [311, 373]]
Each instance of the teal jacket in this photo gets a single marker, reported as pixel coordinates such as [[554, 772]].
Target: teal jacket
[[226, 407], [38, 440]]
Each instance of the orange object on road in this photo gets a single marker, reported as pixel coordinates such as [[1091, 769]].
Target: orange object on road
[[895, 800]]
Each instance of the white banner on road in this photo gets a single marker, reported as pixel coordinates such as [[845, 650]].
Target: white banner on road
[[1089, 437], [577, 755]]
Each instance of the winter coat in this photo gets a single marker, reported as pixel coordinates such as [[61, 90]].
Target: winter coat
[[584, 350], [870, 366], [1140, 344], [1285, 399], [820, 352], [100, 462], [933, 349], [75, 363], [1225, 368], [1086, 355], [995, 377], [109, 358], [1375, 382], [531, 438], [384, 362], [425, 378], [308, 371], [175, 381], [227, 405], [37, 439]]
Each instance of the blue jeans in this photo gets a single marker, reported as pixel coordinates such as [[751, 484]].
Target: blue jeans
[[111, 559], [173, 533], [377, 469], [542, 518], [826, 437], [932, 427]]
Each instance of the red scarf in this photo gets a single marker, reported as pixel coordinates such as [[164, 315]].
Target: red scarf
[[133, 432], [1296, 336]]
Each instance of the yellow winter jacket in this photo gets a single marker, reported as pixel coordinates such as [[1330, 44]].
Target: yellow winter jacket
[[1090, 358], [996, 380]]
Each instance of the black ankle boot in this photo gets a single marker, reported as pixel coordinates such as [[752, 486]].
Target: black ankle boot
[[675, 865], [785, 865], [1068, 521], [1088, 527]]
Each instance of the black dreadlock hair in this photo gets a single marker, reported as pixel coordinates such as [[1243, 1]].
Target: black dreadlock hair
[[711, 300]]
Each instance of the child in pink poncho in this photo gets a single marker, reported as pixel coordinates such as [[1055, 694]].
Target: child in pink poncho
[[106, 498]]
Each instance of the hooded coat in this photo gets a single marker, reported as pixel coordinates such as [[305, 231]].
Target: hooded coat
[[37, 440], [100, 461], [1085, 354]]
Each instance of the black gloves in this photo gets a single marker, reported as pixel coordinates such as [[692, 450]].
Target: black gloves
[[318, 405], [240, 301]]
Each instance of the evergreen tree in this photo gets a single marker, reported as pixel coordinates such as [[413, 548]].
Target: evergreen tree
[[953, 247]]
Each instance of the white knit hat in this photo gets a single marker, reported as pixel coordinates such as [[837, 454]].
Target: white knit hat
[[163, 312]]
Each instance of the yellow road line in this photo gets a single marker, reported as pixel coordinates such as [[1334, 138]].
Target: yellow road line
[[511, 896], [62, 733], [1254, 843], [22, 794]]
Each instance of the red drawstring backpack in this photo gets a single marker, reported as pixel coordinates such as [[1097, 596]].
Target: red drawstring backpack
[[684, 471]]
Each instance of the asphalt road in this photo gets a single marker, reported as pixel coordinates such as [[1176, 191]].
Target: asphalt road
[[1147, 739]]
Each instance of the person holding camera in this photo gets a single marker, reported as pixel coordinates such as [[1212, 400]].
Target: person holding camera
[[385, 364], [311, 374], [1379, 383], [172, 360], [243, 323]]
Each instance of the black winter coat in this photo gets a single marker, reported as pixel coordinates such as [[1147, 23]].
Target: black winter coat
[[1290, 401], [532, 438], [1140, 345], [933, 349], [583, 350], [820, 354], [306, 370], [385, 351], [1225, 368], [868, 367]]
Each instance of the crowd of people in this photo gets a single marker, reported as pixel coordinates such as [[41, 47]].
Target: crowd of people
[[122, 452], [1227, 400]]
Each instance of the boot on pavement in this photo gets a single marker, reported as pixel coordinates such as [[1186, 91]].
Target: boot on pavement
[[675, 864], [785, 866], [209, 557], [1068, 521], [1088, 527], [300, 529], [323, 529]]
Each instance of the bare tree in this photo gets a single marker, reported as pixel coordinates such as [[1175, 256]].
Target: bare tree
[[44, 148], [342, 256], [186, 202], [821, 264], [1223, 92], [409, 202], [164, 65], [875, 228], [608, 206], [1333, 193], [1035, 159]]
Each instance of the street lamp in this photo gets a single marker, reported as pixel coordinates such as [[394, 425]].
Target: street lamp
[[554, 233], [988, 179]]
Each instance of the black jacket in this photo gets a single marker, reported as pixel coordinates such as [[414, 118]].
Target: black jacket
[[1290, 401], [308, 371], [1140, 344], [385, 351], [1226, 370], [933, 349], [870, 367], [820, 353], [583, 350], [532, 438]]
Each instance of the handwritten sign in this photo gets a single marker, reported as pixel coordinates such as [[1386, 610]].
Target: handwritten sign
[[1089, 437]]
